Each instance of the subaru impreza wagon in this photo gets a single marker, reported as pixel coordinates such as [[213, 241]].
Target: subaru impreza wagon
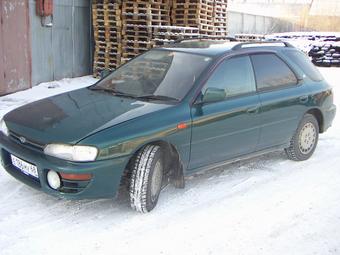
[[168, 113]]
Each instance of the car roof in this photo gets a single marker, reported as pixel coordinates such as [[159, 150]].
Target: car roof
[[215, 48]]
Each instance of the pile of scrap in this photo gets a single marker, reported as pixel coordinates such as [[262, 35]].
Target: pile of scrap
[[322, 47], [326, 54], [124, 29]]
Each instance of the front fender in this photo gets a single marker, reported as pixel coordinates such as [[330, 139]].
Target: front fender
[[126, 138]]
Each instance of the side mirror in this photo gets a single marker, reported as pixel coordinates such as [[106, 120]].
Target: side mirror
[[104, 73], [213, 95]]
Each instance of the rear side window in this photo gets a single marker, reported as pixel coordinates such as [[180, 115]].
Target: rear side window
[[271, 72], [305, 64], [235, 76]]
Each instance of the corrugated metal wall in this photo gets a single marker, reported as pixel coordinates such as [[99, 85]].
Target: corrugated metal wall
[[15, 58], [63, 50]]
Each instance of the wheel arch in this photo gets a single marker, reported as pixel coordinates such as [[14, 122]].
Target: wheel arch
[[319, 117], [173, 162]]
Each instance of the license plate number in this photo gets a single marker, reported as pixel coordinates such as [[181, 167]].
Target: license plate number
[[25, 167]]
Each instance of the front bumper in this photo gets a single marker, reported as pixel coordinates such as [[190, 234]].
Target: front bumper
[[105, 181]]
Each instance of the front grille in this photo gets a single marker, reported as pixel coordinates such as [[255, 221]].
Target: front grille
[[27, 143]]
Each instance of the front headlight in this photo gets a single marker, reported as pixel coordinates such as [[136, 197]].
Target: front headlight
[[3, 128], [79, 153]]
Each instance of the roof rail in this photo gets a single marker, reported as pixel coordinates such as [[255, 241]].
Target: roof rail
[[261, 43], [226, 38]]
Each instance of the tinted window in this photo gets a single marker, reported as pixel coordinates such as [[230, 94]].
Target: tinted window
[[235, 76], [157, 72], [305, 64], [271, 72]]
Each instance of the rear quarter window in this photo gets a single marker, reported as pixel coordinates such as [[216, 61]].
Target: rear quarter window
[[302, 61], [271, 72]]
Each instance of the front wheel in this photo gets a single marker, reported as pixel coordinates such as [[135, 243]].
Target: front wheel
[[305, 139], [146, 178]]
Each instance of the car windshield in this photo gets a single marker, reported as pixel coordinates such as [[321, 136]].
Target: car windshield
[[156, 75]]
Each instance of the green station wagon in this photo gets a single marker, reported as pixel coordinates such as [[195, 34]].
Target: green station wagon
[[168, 113]]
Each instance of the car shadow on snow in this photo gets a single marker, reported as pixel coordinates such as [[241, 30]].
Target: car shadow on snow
[[108, 207]]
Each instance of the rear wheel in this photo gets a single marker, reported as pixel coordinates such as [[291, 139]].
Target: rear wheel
[[146, 178], [305, 139]]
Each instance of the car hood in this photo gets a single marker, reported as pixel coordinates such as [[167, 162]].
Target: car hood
[[72, 116]]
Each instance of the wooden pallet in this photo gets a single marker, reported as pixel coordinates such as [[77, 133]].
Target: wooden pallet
[[249, 37], [137, 30], [174, 29], [106, 19], [163, 35], [136, 46], [189, 3], [166, 34], [143, 19], [125, 28], [193, 13]]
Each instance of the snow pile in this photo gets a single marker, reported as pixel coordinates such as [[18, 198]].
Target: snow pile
[[8, 103], [267, 205]]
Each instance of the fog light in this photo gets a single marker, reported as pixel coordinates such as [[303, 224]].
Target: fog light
[[53, 179]]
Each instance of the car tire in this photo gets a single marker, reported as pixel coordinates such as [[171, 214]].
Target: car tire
[[305, 139], [146, 178]]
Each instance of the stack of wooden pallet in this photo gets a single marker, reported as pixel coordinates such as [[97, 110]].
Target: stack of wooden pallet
[[194, 13], [125, 28], [163, 35], [220, 18], [107, 25], [138, 19]]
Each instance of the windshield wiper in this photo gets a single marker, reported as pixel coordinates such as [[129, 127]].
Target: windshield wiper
[[114, 92], [157, 97], [143, 97], [102, 89]]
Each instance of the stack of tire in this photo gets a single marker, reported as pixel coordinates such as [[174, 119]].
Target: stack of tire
[[326, 55]]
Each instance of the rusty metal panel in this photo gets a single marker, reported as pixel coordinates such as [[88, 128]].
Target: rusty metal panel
[[2, 68], [15, 44], [63, 50]]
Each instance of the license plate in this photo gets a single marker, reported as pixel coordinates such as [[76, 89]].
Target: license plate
[[25, 167]]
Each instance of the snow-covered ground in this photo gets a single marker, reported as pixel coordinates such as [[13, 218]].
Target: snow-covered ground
[[267, 205]]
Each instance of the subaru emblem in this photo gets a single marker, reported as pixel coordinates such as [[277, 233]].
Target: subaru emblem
[[22, 139]]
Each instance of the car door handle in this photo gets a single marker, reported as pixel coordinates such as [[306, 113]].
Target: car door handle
[[253, 110], [303, 99]]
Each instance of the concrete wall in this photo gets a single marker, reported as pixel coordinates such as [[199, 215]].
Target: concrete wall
[[63, 50], [274, 16], [256, 24]]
